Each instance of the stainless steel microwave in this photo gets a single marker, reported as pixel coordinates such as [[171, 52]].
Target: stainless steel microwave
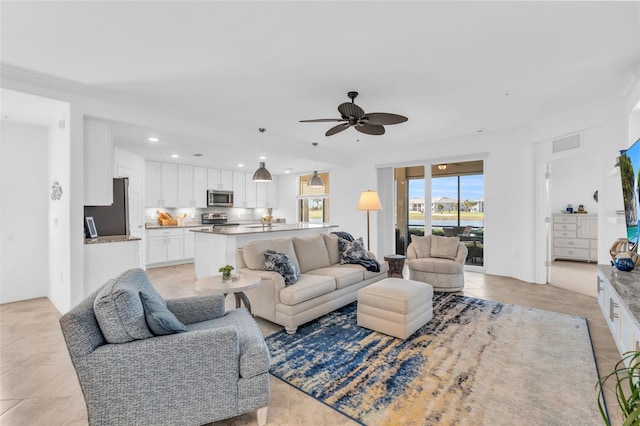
[[216, 198]]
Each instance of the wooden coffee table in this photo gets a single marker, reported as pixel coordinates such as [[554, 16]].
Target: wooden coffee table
[[237, 286]]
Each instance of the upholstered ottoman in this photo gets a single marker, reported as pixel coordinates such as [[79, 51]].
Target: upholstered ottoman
[[395, 306]]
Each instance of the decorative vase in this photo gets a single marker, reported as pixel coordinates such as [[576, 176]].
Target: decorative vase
[[623, 262], [226, 278]]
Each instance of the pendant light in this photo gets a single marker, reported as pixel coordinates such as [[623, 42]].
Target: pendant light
[[262, 174], [315, 181]]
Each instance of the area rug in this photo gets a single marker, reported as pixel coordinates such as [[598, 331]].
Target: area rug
[[475, 363]]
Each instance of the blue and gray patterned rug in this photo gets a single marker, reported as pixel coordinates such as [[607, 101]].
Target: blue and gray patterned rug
[[475, 363]]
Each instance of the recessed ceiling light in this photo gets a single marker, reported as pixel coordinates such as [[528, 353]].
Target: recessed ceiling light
[[240, 164], [287, 171], [262, 157], [175, 155], [152, 139]]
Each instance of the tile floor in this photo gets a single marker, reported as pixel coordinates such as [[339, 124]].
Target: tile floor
[[38, 385]]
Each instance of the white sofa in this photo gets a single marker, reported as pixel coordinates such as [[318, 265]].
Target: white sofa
[[324, 285]]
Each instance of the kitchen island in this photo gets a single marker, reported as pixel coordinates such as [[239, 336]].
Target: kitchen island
[[216, 247]]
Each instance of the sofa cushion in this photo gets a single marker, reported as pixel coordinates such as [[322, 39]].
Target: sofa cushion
[[282, 264], [384, 268], [331, 241], [253, 252], [160, 319], [352, 251], [311, 252], [118, 308], [422, 245], [344, 276], [444, 247], [307, 287]]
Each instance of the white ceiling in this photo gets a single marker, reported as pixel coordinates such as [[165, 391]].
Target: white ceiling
[[229, 68]]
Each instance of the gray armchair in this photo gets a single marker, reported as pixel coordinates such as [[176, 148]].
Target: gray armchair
[[438, 261], [216, 370]]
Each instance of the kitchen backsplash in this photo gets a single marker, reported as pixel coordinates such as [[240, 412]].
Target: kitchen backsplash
[[194, 214]]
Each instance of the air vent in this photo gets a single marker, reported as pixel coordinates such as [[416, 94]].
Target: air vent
[[197, 155], [567, 143]]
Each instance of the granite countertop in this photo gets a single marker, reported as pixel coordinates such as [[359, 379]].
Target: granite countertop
[[627, 285], [259, 229], [111, 239]]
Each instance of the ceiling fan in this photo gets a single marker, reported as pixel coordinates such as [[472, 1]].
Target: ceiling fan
[[353, 116]]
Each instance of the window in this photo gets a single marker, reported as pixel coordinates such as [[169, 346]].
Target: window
[[313, 203]]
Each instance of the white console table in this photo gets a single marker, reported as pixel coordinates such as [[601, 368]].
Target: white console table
[[619, 300]]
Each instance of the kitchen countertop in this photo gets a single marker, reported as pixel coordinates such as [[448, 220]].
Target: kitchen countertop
[[153, 225], [627, 285], [111, 239], [260, 229]]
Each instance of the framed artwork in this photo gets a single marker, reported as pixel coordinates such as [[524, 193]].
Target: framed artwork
[[91, 227]]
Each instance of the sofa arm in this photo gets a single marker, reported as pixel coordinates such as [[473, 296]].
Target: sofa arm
[[193, 309], [371, 255]]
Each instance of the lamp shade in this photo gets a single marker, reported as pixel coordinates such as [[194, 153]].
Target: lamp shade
[[262, 174], [315, 181], [369, 200]]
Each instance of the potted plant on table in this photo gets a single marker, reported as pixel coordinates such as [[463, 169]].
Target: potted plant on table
[[226, 273], [626, 379]]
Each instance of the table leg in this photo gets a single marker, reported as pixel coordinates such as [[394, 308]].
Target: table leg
[[240, 296]]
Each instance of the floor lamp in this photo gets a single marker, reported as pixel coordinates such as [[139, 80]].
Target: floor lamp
[[369, 201]]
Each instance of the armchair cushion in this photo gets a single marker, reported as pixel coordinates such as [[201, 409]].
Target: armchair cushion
[[118, 308], [444, 247], [160, 319], [282, 264], [422, 245]]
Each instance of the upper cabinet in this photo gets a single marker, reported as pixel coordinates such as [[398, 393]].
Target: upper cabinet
[[98, 162], [267, 193], [220, 179], [192, 186], [161, 184]]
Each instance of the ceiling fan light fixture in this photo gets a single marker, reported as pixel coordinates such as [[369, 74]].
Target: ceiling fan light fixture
[[442, 166], [262, 174]]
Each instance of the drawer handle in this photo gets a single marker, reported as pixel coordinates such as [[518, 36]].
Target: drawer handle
[[612, 306], [570, 243], [600, 288]]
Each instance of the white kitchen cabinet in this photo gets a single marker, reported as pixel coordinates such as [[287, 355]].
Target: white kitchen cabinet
[[250, 190], [192, 186], [220, 179], [185, 186], [200, 187], [575, 237], [165, 245], [267, 193], [239, 190], [153, 184], [161, 184], [98, 162], [169, 181]]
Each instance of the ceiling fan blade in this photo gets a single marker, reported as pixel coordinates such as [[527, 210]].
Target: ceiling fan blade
[[348, 109], [383, 118], [337, 129], [322, 120], [370, 129]]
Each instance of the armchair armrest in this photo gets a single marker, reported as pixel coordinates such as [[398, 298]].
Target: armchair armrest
[[411, 252], [193, 309], [461, 255]]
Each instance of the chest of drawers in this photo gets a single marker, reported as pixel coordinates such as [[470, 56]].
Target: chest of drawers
[[575, 237]]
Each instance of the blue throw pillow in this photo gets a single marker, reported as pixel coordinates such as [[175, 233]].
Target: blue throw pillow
[[282, 264], [159, 318], [351, 251]]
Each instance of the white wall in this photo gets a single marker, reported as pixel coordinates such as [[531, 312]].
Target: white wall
[[573, 181], [24, 205], [59, 223]]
